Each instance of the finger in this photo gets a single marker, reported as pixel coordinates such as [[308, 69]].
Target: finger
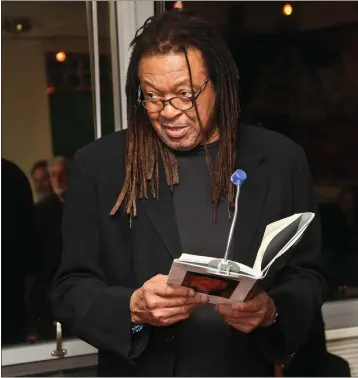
[[159, 278], [165, 290], [153, 302], [164, 313], [173, 319], [198, 299], [253, 321], [178, 291], [253, 305], [227, 310]]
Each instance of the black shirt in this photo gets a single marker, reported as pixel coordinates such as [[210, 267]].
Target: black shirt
[[193, 205], [199, 235]]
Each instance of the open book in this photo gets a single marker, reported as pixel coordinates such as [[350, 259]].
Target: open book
[[237, 283]]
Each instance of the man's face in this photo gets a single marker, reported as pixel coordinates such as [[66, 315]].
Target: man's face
[[41, 180], [59, 178], [167, 76]]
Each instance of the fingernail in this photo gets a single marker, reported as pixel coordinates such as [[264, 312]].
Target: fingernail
[[191, 292]]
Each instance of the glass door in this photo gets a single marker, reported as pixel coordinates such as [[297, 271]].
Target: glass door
[[64, 68]]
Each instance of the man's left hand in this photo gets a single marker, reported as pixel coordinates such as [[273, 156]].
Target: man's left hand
[[259, 311]]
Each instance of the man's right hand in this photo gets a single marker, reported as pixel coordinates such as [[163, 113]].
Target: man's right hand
[[160, 304]]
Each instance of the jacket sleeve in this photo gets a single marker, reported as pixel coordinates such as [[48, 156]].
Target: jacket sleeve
[[299, 289], [97, 313]]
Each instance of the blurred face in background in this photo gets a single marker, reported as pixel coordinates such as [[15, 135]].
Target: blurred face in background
[[41, 182], [59, 177]]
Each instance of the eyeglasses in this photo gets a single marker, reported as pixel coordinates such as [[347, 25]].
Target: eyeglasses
[[178, 102]]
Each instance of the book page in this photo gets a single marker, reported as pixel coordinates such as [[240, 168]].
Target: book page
[[278, 243], [271, 231], [204, 261], [305, 220], [195, 259]]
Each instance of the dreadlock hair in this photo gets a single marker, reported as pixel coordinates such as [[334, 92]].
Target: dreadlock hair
[[175, 32]]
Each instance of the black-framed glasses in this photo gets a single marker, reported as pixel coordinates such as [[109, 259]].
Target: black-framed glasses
[[177, 102]]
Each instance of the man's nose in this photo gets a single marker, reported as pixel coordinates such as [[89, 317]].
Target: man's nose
[[169, 112]]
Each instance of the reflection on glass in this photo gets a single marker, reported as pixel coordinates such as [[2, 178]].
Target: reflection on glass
[[105, 67], [340, 243], [303, 90], [47, 116]]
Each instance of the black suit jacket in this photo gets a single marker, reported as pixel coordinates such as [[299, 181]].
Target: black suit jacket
[[17, 246], [104, 261]]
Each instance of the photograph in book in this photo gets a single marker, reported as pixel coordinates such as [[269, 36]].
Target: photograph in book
[[203, 275], [210, 284]]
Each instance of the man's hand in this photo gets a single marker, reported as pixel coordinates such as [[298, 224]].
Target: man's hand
[[160, 304], [259, 311]]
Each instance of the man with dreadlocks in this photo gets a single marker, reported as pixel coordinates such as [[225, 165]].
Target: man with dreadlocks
[[139, 198]]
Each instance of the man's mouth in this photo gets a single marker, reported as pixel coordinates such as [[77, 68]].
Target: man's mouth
[[176, 131]]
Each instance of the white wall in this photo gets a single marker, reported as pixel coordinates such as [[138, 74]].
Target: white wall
[[25, 116], [25, 119]]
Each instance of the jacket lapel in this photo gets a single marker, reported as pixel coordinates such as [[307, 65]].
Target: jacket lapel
[[253, 195], [252, 199], [161, 212]]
